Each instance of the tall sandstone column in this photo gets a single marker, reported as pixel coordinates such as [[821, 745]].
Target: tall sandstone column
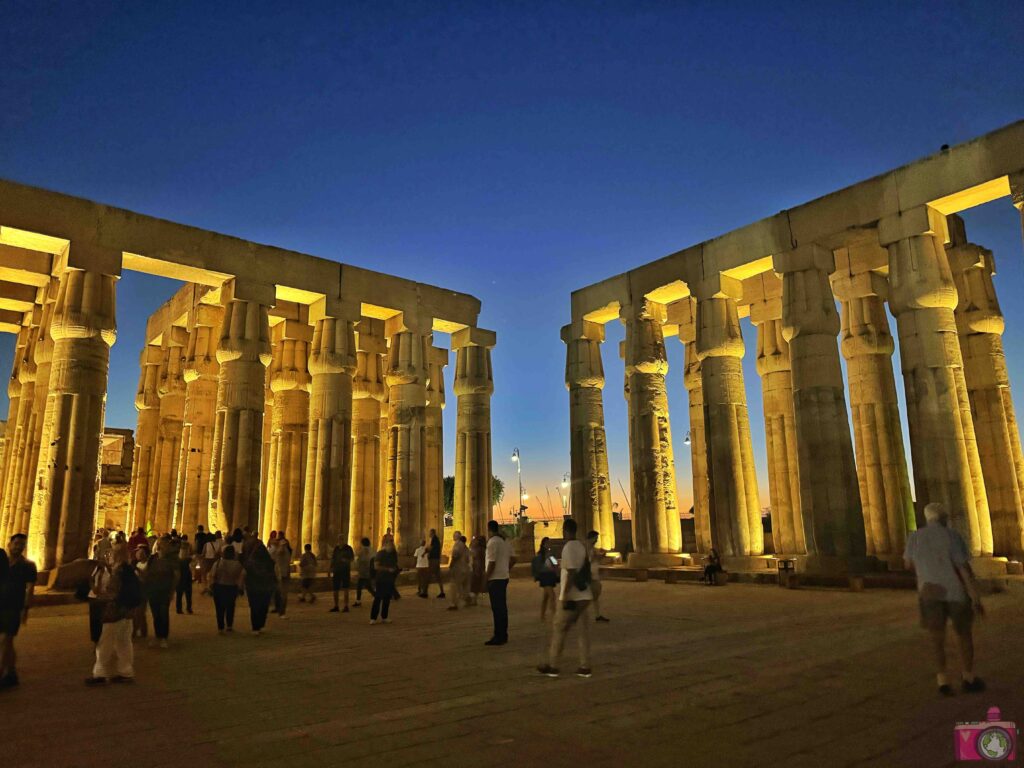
[[64, 504], [172, 413], [656, 527], [286, 472], [867, 345], [368, 391], [693, 381], [736, 528], [147, 433], [385, 521], [829, 493], [474, 385], [332, 361], [942, 441], [243, 354], [22, 381], [267, 520], [980, 327], [433, 463], [590, 492], [1017, 196], [200, 373]]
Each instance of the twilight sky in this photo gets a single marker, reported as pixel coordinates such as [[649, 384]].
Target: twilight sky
[[514, 151]]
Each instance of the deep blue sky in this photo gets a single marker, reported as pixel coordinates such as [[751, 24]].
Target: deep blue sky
[[514, 151]]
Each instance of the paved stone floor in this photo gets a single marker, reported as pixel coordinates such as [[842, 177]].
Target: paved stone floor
[[684, 676]]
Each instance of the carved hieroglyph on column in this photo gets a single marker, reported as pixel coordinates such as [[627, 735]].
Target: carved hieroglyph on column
[[407, 386], [474, 385], [266, 489], [829, 492], [200, 370], [83, 329], [433, 461], [147, 432], [168, 448], [590, 493], [980, 325], [332, 361], [20, 389], [243, 354], [736, 528], [286, 470], [368, 391], [942, 441], [882, 474], [656, 528], [774, 367], [384, 520]]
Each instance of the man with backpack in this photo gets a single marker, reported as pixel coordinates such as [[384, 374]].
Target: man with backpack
[[574, 599], [117, 596]]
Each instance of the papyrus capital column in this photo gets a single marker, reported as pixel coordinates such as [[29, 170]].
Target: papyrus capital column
[[656, 527], [20, 389], [332, 361], [243, 353], [922, 296], [829, 493], [590, 493], [736, 528], [147, 432], [171, 390], [1017, 196], [433, 462], [474, 385], [368, 393]]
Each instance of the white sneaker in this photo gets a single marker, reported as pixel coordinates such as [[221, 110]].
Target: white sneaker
[[257, 632], [386, 621], [373, 621], [163, 644]]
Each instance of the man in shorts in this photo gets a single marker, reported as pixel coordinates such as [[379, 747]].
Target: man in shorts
[[15, 599], [946, 592]]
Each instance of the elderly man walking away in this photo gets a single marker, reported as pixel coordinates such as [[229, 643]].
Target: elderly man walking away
[[946, 592], [574, 599]]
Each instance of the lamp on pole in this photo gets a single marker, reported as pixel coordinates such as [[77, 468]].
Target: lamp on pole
[[565, 494], [522, 496]]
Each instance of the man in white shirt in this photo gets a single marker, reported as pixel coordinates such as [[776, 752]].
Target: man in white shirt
[[498, 563], [573, 603], [422, 569]]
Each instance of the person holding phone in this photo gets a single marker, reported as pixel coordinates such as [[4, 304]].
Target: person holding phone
[[545, 573], [574, 599]]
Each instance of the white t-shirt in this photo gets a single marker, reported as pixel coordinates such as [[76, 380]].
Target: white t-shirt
[[210, 550], [499, 552], [574, 554], [421, 555]]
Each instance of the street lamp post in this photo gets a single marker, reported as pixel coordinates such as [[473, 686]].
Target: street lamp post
[[522, 496], [565, 495]]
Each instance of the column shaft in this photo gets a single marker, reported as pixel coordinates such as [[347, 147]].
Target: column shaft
[[168, 446], [368, 391], [20, 387], [698, 448], [474, 385], [147, 432], [433, 462]]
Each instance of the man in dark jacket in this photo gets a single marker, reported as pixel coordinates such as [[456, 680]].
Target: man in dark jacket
[[160, 580], [434, 563]]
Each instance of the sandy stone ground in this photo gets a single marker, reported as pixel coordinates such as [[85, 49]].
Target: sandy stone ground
[[683, 676]]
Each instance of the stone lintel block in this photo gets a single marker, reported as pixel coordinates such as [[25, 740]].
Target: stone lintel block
[[718, 285], [643, 310], [152, 354], [622, 349], [437, 356], [582, 329], [804, 257], [90, 257], [967, 256], [762, 287], [475, 337], [370, 336], [923, 220], [1017, 189], [176, 336], [682, 312], [331, 306], [956, 228], [206, 315], [847, 287], [242, 289], [860, 257], [765, 310], [292, 329], [414, 322]]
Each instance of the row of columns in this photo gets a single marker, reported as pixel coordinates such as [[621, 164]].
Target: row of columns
[[834, 496]]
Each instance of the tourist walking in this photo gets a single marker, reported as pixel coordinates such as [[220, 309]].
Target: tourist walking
[[307, 572], [434, 563], [574, 598], [364, 571], [260, 582], [227, 578], [422, 569], [712, 567], [594, 555], [385, 566], [159, 583], [211, 551], [499, 565], [101, 546], [140, 621], [282, 555], [458, 571], [545, 572], [341, 571], [121, 594], [184, 587], [16, 589], [478, 565], [946, 593]]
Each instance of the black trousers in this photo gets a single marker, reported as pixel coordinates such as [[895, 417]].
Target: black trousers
[[382, 598], [184, 588], [362, 584], [160, 607], [497, 589], [95, 619], [259, 606], [224, 598]]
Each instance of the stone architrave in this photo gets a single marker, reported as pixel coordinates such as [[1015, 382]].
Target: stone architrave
[[922, 295], [286, 472], [867, 345], [433, 461], [368, 392], [829, 491], [164, 484], [980, 327], [656, 527], [407, 387], [328, 492], [147, 433], [83, 328], [474, 385], [775, 369], [736, 528], [20, 388], [200, 373], [243, 353], [590, 491]]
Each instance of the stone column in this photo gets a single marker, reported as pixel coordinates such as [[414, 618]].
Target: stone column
[[384, 520], [692, 379], [433, 462], [201, 370], [368, 391], [736, 529], [20, 388], [407, 385], [882, 474], [286, 472], [942, 441], [168, 447], [64, 501], [474, 385], [656, 527], [980, 327], [147, 433], [1017, 196], [332, 361], [775, 369], [266, 476], [829, 493], [243, 354], [590, 492]]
